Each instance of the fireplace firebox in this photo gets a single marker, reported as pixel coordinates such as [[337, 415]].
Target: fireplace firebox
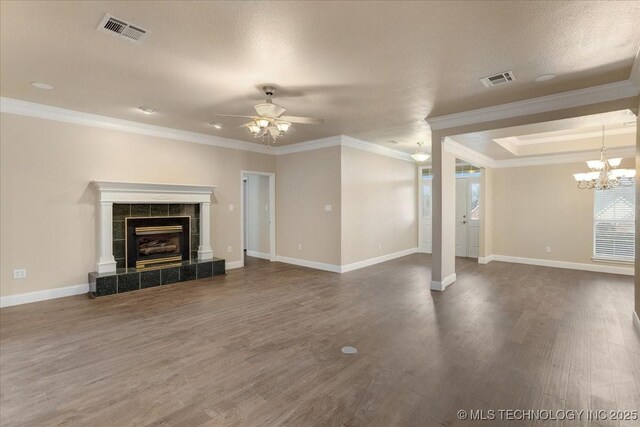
[[157, 242]]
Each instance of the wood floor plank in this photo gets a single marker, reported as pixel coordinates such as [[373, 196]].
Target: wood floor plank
[[261, 346]]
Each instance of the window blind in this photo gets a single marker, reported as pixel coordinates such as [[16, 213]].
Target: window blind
[[614, 224]]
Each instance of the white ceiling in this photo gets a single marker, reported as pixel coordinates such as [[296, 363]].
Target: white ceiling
[[372, 70]]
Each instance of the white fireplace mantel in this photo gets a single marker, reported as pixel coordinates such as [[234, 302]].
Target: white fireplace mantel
[[111, 192]]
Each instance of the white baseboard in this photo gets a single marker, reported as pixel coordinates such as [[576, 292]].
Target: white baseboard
[[233, 264], [376, 260], [441, 286], [9, 300], [600, 268], [636, 320], [485, 259], [259, 255], [311, 264]]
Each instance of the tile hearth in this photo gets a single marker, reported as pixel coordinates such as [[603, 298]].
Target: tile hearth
[[126, 280]]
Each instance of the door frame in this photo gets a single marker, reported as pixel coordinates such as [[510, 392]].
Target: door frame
[[421, 247], [272, 211]]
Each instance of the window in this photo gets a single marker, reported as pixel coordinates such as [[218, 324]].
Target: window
[[614, 224], [475, 201]]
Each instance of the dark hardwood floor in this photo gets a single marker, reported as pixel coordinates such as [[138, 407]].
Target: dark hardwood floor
[[261, 346]]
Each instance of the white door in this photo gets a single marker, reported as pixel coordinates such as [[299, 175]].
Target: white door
[[426, 221], [461, 217], [473, 217]]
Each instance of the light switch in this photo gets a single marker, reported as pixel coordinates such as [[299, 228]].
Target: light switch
[[231, 207]]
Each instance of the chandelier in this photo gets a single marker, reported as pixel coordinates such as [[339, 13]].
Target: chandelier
[[420, 156], [604, 173]]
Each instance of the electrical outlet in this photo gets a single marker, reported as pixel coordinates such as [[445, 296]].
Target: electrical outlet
[[328, 208], [19, 273], [548, 249], [299, 246], [229, 249], [379, 246]]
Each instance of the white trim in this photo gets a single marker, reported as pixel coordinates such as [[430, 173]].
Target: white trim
[[344, 141], [146, 192], [468, 154], [259, 255], [24, 108], [272, 210], [441, 286], [230, 265], [311, 264], [359, 144], [9, 300], [31, 109], [377, 260], [636, 320], [111, 192], [485, 259], [314, 144], [575, 98], [562, 158], [599, 268]]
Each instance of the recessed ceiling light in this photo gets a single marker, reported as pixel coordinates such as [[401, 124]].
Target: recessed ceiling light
[[41, 85], [545, 77], [216, 125], [147, 110]]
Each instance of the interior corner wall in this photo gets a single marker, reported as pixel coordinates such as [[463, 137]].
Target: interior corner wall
[[379, 206], [536, 207], [486, 212], [257, 213], [307, 184], [48, 207]]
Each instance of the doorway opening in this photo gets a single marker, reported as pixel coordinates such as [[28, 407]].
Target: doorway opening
[[258, 225], [468, 219]]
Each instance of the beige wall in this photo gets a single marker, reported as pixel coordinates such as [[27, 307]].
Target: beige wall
[[539, 206], [257, 213], [305, 183], [48, 209], [379, 210]]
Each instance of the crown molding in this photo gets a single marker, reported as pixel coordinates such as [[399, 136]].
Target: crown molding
[[468, 154], [48, 112], [575, 98], [41, 111], [314, 144], [478, 159], [557, 159], [359, 144]]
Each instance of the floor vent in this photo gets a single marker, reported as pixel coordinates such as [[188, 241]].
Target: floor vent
[[498, 79], [119, 28]]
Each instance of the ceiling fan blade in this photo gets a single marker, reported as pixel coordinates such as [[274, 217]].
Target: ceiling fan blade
[[269, 110], [231, 115], [303, 120]]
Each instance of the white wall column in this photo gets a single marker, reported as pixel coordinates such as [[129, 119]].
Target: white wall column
[[443, 272], [106, 262], [204, 250]]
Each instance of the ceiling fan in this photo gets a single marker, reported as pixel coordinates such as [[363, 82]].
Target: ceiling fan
[[269, 123]]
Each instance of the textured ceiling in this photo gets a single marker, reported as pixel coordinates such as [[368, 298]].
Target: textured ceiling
[[371, 70]]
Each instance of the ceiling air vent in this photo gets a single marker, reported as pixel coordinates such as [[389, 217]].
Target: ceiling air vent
[[498, 79], [119, 28]]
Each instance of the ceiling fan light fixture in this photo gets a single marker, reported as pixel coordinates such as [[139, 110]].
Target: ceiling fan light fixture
[[262, 123], [283, 125], [614, 163], [254, 128]]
